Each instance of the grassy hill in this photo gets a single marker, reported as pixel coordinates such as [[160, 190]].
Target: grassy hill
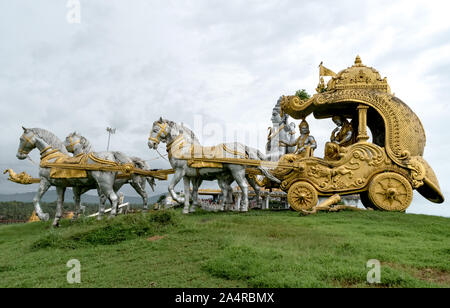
[[256, 249]]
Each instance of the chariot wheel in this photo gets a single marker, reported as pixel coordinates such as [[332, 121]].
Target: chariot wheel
[[302, 196], [390, 192]]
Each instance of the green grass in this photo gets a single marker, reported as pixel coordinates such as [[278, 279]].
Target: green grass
[[257, 249]]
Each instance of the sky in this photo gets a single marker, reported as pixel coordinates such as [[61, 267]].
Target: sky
[[216, 66]]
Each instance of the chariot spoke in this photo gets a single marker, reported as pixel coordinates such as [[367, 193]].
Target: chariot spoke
[[382, 186], [390, 191]]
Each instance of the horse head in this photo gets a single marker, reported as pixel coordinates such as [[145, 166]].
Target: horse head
[[26, 144], [160, 133], [39, 138], [72, 141]]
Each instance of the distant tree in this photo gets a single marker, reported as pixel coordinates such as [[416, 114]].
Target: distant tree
[[302, 94]]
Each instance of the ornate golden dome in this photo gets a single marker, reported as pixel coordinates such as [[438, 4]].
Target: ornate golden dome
[[359, 76]]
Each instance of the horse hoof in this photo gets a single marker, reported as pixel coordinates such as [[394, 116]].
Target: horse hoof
[[44, 217], [55, 224], [244, 210], [185, 211]]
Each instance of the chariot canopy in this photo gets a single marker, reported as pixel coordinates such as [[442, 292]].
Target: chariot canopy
[[360, 94]]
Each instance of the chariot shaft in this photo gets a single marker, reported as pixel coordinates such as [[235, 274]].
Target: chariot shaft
[[246, 162], [125, 169]]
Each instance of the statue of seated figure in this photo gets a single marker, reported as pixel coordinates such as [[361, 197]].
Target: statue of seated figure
[[304, 145], [342, 136]]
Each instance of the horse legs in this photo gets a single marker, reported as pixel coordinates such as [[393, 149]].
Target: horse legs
[[106, 185], [187, 191], [140, 189], [76, 200], [227, 191], [196, 182], [255, 186], [101, 207], [82, 190], [230, 201], [114, 200], [60, 192], [116, 187], [44, 185], [179, 173], [239, 176], [230, 204], [224, 188], [230, 196]]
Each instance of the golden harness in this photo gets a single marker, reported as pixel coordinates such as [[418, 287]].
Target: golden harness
[[56, 157], [177, 149], [157, 139]]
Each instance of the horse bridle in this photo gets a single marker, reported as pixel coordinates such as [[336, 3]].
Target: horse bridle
[[157, 139], [27, 141], [72, 144]]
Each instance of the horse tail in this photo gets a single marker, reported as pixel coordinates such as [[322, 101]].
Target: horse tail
[[142, 164], [256, 154], [138, 163], [268, 175], [260, 155], [121, 158]]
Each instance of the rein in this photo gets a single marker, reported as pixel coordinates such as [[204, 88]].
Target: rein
[[161, 155]]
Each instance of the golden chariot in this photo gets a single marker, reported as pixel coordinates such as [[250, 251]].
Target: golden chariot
[[384, 171]]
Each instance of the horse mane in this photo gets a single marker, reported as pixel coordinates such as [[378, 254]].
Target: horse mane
[[86, 145], [140, 163], [189, 132], [50, 139]]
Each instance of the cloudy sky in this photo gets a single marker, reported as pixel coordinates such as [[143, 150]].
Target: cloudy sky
[[213, 62]]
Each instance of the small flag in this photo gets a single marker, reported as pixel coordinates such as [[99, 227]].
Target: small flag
[[325, 71]]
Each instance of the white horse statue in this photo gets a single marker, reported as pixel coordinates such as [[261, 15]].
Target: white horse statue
[[77, 144], [181, 144], [51, 149]]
